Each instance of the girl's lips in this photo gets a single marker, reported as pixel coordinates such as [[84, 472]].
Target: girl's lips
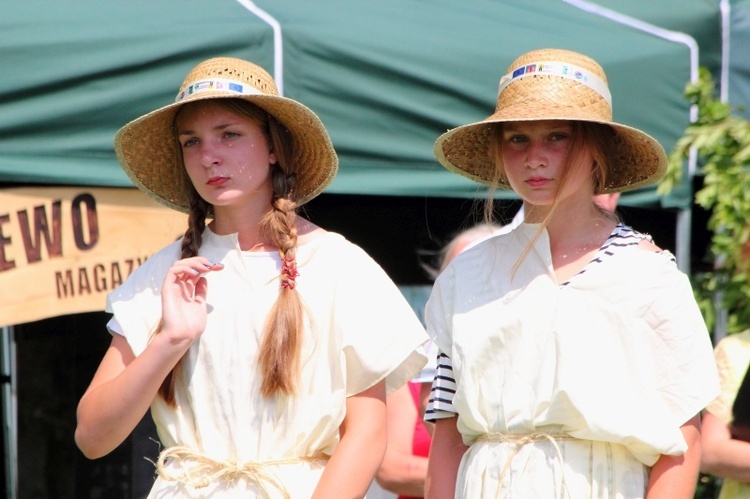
[[217, 181], [537, 181]]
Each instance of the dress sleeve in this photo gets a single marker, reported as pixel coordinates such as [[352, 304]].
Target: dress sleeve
[[688, 378], [442, 391], [438, 316], [427, 374], [381, 335], [136, 303], [439, 310]]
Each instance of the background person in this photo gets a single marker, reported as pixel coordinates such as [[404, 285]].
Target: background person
[[723, 455]]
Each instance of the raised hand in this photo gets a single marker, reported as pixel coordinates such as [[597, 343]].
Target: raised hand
[[183, 297]]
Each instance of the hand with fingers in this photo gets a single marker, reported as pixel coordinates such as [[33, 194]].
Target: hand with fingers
[[183, 297]]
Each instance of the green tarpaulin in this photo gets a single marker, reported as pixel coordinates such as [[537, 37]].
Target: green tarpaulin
[[386, 77]]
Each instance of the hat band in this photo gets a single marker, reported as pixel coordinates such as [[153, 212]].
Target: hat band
[[217, 85], [561, 69]]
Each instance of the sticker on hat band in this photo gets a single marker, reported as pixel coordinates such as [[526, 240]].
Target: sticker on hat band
[[217, 85], [561, 69]]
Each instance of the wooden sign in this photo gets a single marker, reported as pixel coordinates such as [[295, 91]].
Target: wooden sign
[[62, 249]]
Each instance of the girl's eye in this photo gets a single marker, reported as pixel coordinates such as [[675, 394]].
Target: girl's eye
[[189, 143], [516, 139], [556, 137], [229, 134]]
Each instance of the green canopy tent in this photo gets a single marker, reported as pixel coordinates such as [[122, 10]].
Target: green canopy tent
[[386, 77]]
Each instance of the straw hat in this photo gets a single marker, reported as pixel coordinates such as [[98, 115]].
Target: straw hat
[[554, 84], [148, 150]]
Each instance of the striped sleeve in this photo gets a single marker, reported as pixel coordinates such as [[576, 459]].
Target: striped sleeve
[[442, 391]]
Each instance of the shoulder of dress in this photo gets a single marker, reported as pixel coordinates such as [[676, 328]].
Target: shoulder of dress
[[625, 239], [338, 255], [165, 256]]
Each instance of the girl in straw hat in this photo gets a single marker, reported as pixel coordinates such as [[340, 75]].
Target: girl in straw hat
[[264, 368], [573, 358]]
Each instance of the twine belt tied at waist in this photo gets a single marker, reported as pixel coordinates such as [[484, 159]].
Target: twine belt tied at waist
[[202, 470], [519, 441]]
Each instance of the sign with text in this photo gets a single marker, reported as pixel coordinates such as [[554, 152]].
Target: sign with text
[[62, 249]]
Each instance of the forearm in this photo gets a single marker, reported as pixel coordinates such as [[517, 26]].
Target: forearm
[[352, 467], [675, 477], [404, 474], [112, 406], [445, 458], [721, 454], [733, 461]]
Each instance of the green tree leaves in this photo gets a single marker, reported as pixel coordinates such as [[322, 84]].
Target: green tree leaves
[[722, 144]]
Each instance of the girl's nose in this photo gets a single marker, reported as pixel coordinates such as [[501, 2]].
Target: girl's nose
[[209, 156], [535, 155]]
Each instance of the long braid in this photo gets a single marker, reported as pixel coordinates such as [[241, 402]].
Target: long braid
[[191, 242], [279, 357]]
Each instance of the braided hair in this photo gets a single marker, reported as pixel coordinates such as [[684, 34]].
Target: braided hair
[[281, 344]]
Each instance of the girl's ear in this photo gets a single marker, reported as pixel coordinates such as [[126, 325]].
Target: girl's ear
[[272, 159]]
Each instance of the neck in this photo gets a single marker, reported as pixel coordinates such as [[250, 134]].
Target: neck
[[573, 241], [247, 224], [573, 224]]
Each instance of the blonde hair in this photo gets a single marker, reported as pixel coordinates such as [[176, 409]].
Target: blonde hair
[[461, 241], [281, 344], [595, 138]]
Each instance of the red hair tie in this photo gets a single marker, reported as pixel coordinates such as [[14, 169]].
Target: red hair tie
[[288, 273]]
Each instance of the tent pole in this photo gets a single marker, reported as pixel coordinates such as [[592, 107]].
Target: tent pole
[[682, 243], [278, 42], [9, 401]]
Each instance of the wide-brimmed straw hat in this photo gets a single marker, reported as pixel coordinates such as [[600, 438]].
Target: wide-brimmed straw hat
[[148, 150], [554, 84]]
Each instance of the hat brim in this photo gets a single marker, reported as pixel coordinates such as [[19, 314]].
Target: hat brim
[[148, 150], [639, 159]]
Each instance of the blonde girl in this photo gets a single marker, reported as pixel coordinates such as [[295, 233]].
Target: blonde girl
[[573, 358]]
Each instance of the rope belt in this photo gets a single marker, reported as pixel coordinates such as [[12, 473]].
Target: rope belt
[[519, 441], [202, 470]]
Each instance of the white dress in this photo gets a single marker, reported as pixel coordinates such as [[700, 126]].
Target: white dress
[[360, 330], [587, 381]]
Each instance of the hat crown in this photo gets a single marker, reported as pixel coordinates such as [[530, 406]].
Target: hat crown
[[227, 69], [576, 89]]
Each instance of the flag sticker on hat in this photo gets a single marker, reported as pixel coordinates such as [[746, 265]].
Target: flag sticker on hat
[[217, 85], [553, 68]]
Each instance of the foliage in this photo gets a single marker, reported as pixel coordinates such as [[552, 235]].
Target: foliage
[[722, 144], [707, 487]]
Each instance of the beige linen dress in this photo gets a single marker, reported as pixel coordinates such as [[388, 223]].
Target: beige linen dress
[[359, 330], [567, 389]]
